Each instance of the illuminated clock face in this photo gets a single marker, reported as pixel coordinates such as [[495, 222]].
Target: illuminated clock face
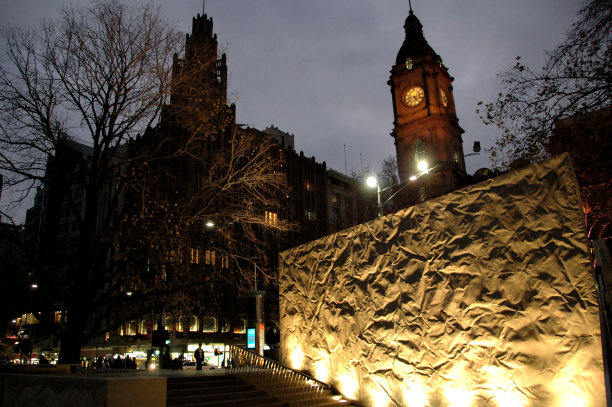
[[414, 96], [444, 98]]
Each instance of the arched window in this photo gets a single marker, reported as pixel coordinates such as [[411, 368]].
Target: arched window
[[240, 326], [193, 324], [419, 154], [409, 64], [209, 324], [131, 328], [169, 324]]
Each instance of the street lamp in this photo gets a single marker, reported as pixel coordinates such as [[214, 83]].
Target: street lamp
[[422, 166], [372, 182]]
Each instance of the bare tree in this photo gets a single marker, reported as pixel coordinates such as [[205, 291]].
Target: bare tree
[[575, 79], [141, 148], [564, 107], [98, 75]]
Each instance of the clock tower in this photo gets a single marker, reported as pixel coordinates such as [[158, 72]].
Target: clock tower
[[425, 127]]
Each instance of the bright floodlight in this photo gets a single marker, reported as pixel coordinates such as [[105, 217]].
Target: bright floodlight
[[413, 178], [372, 182], [210, 224], [422, 166]]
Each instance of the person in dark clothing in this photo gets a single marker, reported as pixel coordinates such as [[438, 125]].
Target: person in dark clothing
[[167, 359], [199, 356]]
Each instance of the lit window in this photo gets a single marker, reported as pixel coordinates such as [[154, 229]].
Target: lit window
[[271, 218], [210, 257], [307, 185], [179, 324], [131, 328], [195, 256], [224, 260], [193, 324], [419, 151], [142, 327], [310, 215], [409, 63]]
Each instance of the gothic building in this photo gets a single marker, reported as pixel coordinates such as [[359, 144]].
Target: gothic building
[[318, 201], [425, 129]]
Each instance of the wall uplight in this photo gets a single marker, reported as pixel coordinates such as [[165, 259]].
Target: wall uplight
[[414, 393], [296, 355], [348, 384]]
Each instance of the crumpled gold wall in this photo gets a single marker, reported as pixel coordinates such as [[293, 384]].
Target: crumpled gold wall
[[482, 297]]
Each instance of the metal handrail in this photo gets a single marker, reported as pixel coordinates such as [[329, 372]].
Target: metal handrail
[[307, 389]]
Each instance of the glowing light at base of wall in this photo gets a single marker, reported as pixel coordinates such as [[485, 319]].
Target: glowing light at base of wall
[[569, 385], [378, 397], [321, 368], [348, 384], [502, 388], [414, 394], [296, 354]]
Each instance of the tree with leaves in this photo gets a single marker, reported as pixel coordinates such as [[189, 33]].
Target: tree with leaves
[[575, 84]]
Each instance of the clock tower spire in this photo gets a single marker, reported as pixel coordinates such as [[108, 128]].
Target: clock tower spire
[[425, 127]]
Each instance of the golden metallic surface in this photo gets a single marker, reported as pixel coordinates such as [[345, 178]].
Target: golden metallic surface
[[482, 297]]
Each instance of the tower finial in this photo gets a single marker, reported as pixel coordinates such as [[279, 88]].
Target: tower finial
[[203, 7], [410, 5]]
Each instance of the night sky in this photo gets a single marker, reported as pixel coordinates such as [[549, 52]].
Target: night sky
[[319, 68]]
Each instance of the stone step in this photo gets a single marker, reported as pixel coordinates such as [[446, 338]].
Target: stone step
[[208, 390], [213, 391], [176, 385], [265, 401]]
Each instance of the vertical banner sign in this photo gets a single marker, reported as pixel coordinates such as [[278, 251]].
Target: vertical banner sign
[[261, 339]]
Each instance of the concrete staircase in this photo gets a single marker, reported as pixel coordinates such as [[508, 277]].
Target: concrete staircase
[[216, 391], [254, 389], [296, 393]]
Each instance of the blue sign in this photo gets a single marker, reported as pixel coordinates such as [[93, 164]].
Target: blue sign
[[251, 338]]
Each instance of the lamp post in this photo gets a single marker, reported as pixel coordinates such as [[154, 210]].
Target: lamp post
[[423, 168], [372, 182]]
